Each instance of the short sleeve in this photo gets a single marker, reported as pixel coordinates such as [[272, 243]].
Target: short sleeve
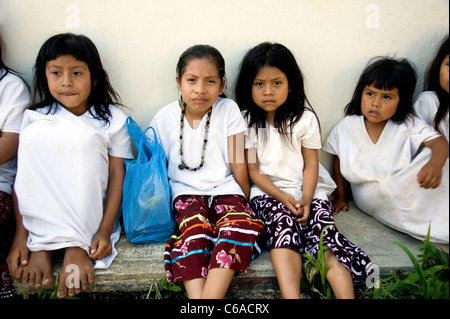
[[119, 140], [331, 145], [307, 131], [426, 106], [14, 99], [236, 123]]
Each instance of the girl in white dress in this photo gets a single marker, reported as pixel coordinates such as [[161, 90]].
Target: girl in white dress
[[70, 167], [14, 99], [393, 160], [432, 105], [202, 136], [290, 188]]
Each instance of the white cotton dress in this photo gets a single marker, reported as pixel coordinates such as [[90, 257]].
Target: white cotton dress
[[426, 106], [383, 175], [62, 175]]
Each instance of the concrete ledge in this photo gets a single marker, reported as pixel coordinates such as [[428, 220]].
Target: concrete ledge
[[136, 266]]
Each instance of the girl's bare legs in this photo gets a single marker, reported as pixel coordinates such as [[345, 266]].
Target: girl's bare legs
[[217, 283], [194, 287], [288, 268], [339, 277]]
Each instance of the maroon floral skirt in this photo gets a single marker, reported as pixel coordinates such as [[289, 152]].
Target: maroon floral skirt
[[7, 229], [214, 232]]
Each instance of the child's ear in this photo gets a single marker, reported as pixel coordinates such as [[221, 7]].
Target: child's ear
[[222, 86]]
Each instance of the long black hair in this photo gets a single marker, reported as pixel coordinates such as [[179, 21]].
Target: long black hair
[[275, 55], [432, 82], [386, 73], [2, 64], [83, 49]]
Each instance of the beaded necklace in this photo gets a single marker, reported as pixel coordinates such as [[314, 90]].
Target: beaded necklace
[[183, 165]]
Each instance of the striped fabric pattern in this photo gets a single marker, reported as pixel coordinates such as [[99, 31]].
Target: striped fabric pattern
[[214, 232]]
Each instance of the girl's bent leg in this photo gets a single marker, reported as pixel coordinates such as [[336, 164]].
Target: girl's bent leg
[[77, 272], [217, 283], [288, 268], [339, 277], [188, 252], [194, 287]]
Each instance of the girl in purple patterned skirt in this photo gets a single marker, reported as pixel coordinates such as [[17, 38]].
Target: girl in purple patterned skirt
[[290, 187]]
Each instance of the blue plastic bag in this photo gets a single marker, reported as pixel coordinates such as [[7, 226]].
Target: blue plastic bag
[[146, 203]]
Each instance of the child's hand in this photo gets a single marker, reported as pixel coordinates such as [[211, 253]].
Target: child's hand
[[18, 256], [291, 204], [430, 176], [339, 204], [304, 208], [101, 246]]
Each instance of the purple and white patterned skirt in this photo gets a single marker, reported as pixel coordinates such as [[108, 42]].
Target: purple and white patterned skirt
[[284, 231]]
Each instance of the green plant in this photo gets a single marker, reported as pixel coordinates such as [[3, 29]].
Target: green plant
[[168, 291], [317, 266], [428, 281], [46, 293]]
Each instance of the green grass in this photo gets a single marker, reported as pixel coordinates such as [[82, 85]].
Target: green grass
[[429, 280]]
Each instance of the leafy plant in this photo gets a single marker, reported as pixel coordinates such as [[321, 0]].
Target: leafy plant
[[317, 266], [169, 290], [428, 281], [45, 293]]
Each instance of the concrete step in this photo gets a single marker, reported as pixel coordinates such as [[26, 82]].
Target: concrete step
[[136, 266]]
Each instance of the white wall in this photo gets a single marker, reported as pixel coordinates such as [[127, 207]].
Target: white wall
[[140, 40]]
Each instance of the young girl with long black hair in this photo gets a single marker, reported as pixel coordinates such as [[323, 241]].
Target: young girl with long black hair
[[432, 104], [70, 167], [289, 187]]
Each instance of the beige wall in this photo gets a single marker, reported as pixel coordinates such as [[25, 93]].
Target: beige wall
[[140, 40]]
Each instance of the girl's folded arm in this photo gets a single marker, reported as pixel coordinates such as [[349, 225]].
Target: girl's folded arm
[[101, 245], [8, 146], [340, 198], [430, 174]]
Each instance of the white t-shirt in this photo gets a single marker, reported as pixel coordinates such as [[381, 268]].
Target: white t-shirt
[[62, 174], [215, 177], [426, 107], [284, 164], [14, 99], [383, 175]]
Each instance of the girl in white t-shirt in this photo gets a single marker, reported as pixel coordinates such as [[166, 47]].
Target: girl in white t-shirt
[[14, 99], [394, 161], [202, 136], [73, 142], [432, 105], [290, 187]]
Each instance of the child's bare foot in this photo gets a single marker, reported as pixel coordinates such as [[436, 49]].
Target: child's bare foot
[[38, 271], [77, 272]]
